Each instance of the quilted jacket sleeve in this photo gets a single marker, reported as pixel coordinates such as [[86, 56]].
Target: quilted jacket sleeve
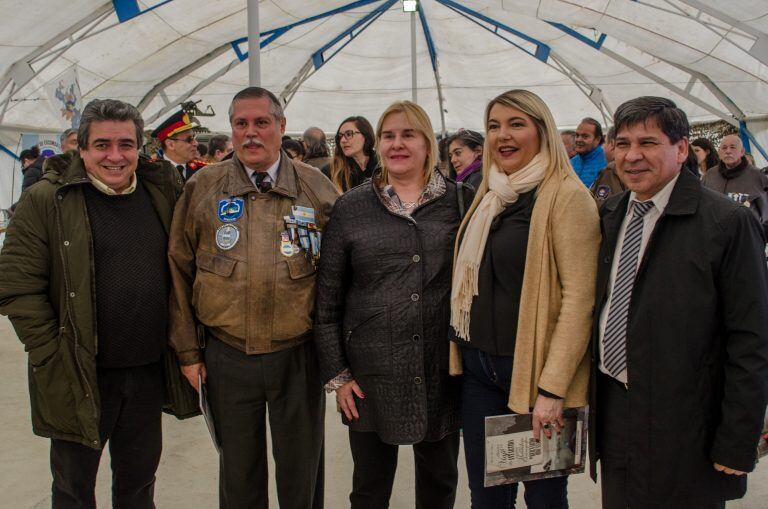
[[332, 283]]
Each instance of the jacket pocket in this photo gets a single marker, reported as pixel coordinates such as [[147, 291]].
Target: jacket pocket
[[294, 302], [368, 341], [299, 267], [50, 389], [218, 293], [219, 265]]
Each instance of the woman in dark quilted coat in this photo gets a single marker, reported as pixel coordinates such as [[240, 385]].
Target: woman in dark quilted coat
[[383, 312]]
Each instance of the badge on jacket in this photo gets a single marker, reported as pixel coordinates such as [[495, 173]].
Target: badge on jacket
[[301, 233], [227, 236], [230, 209]]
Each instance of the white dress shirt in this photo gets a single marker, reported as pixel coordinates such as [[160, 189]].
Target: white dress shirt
[[660, 201], [272, 172]]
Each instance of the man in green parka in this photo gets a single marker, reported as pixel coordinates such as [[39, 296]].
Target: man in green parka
[[84, 280]]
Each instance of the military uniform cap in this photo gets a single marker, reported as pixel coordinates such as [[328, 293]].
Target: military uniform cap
[[175, 124]]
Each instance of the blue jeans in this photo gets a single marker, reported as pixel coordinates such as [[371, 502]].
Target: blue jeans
[[485, 392]]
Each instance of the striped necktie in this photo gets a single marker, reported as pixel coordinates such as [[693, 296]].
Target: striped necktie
[[615, 337], [258, 180]]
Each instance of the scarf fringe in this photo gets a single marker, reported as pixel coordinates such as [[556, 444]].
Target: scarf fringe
[[503, 189], [461, 302]]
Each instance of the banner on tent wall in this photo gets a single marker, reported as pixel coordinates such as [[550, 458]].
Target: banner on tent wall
[[64, 95], [49, 143]]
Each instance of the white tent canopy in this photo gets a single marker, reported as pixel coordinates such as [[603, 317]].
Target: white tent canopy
[[331, 59]]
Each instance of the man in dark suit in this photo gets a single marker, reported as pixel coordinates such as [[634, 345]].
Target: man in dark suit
[[680, 343]]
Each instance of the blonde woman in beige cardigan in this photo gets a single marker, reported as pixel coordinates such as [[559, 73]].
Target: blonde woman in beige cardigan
[[523, 289]]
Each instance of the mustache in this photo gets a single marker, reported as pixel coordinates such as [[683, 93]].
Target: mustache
[[252, 142]]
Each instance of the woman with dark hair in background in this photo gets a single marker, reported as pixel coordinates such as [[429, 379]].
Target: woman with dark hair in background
[[31, 166], [294, 149], [354, 159], [706, 154], [466, 152]]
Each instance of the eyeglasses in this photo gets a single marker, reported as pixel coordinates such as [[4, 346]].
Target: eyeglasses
[[188, 139], [347, 134]]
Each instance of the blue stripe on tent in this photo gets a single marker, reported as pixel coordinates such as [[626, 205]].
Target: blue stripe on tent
[[8, 151], [573, 33], [747, 137], [243, 55], [428, 36], [542, 49], [273, 34], [318, 57], [129, 9]]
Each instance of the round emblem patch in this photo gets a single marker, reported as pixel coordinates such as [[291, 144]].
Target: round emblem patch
[[230, 210], [227, 236]]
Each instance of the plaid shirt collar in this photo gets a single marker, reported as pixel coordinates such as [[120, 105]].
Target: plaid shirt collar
[[434, 189]]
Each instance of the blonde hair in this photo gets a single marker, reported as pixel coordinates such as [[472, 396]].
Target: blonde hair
[[420, 122], [549, 141]]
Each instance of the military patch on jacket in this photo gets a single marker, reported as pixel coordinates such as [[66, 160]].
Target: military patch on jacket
[[227, 236], [602, 192], [230, 209]]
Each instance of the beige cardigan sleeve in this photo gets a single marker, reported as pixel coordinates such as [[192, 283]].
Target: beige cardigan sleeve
[[576, 240]]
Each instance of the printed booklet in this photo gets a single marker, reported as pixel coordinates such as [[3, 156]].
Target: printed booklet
[[513, 455]]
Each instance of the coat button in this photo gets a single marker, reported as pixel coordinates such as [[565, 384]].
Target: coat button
[[416, 337], [416, 258], [66, 242], [417, 380], [60, 197], [72, 294], [607, 259], [253, 197], [414, 297]]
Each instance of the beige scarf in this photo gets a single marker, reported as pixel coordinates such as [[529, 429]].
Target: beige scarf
[[503, 189]]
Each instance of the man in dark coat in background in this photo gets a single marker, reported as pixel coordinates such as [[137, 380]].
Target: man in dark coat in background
[[739, 180], [680, 342]]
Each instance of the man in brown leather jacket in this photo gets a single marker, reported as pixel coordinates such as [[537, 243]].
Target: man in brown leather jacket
[[607, 183], [243, 247]]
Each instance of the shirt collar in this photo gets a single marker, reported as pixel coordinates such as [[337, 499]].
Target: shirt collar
[[174, 163], [660, 199], [272, 171], [101, 186]]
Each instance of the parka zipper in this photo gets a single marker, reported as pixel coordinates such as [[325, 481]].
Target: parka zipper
[[68, 291]]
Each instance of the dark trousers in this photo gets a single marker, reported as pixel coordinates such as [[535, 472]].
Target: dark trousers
[[240, 388], [375, 464], [131, 405], [612, 438], [485, 392]]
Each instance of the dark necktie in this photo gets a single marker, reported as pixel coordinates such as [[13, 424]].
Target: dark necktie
[[615, 337], [258, 180], [182, 171]]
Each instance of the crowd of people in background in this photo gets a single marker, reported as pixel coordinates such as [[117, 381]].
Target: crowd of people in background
[[589, 147], [352, 159], [522, 270]]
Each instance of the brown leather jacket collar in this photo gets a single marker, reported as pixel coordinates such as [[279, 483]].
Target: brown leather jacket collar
[[238, 183]]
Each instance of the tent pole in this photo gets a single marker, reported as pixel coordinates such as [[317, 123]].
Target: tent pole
[[254, 50], [413, 57]]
